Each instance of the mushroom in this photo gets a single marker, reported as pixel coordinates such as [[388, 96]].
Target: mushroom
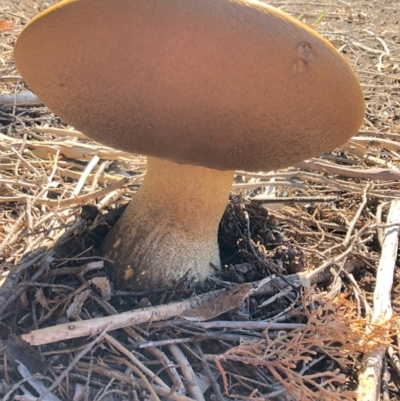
[[202, 87]]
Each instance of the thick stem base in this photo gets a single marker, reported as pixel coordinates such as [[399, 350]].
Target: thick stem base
[[170, 227]]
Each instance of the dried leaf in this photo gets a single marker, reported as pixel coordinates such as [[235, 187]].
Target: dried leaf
[[103, 285], [40, 297]]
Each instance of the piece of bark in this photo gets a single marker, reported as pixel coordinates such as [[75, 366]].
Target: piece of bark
[[227, 301], [18, 350]]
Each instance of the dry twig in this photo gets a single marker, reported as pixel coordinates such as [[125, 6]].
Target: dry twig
[[371, 372]]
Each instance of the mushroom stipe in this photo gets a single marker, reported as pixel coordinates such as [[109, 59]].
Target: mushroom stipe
[[212, 86]]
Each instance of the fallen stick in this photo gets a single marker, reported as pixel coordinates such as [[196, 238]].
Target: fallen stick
[[10, 78], [76, 175], [374, 173], [353, 223], [222, 324], [187, 372], [94, 326], [59, 132], [164, 312], [377, 134], [73, 150], [380, 143], [294, 199], [369, 377], [68, 148], [262, 184], [25, 97]]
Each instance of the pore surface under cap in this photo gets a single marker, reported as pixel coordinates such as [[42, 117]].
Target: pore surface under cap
[[226, 84]]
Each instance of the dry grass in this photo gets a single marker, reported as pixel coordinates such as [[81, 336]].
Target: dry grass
[[47, 172]]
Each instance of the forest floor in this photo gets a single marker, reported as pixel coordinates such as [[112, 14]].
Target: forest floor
[[307, 307]]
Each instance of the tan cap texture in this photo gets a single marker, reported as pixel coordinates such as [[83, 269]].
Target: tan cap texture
[[225, 84]]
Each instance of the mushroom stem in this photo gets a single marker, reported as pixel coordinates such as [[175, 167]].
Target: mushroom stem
[[170, 227]]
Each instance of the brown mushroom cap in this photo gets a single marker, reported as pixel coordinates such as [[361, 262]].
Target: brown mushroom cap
[[226, 84]]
